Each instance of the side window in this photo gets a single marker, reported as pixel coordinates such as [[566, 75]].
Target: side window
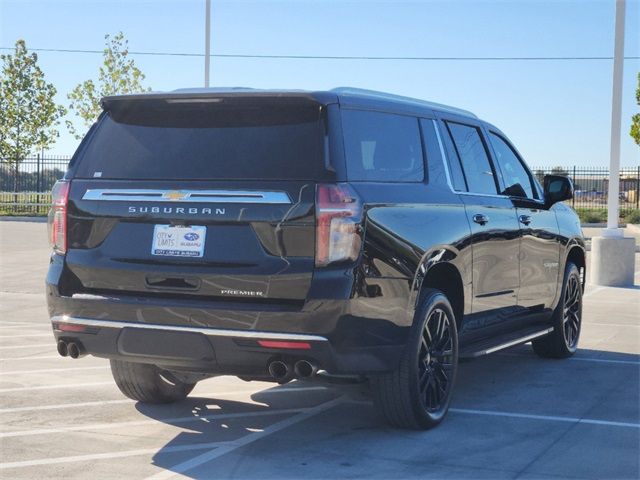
[[473, 157], [458, 182], [516, 179], [382, 147]]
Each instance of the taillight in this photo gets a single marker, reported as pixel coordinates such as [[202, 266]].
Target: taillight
[[338, 218], [57, 221]]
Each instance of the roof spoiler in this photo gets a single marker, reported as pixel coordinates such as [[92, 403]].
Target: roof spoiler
[[217, 96]]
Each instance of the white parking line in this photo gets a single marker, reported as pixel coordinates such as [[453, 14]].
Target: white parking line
[[148, 421], [46, 357], [578, 359], [589, 421], [244, 441], [15, 347], [591, 291], [50, 334], [109, 455], [101, 403], [25, 326], [61, 406], [50, 370], [54, 387], [612, 324]]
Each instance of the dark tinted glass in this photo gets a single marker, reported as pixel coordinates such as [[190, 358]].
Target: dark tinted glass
[[207, 142], [382, 147], [453, 163], [473, 157], [516, 178]]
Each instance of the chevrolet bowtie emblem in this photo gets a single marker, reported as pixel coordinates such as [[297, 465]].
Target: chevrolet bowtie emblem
[[175, 195]]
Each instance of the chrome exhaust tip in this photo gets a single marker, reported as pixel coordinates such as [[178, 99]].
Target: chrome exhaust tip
[[279, 370], [62, 348], [305, 369], [75, 350]]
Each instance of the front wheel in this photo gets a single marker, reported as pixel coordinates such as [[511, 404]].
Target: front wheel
[[566, 320], [148, 383], [418, 392]]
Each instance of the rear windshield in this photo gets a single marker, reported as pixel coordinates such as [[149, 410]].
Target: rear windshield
[[205, 141]]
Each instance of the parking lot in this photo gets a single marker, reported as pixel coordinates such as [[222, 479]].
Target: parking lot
[[514, 415]]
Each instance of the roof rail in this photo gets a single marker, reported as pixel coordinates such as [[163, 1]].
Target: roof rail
[[374, 94]]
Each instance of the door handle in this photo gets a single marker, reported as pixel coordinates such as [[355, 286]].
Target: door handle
[[480, 218], [526, 219]]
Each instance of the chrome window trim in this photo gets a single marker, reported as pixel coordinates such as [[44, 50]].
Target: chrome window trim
[[445, 161], [186, 196], [212, 332]]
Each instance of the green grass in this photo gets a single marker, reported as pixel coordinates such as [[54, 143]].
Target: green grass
[[24, 203], [599, 215]]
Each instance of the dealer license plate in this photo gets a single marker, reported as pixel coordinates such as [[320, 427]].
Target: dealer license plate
[[178, 240]]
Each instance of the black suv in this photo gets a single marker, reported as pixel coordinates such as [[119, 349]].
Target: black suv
[[281, 234]]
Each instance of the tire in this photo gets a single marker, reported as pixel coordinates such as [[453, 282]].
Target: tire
[[417, 394], [566, 319], [147, 383]]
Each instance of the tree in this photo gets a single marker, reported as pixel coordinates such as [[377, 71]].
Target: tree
[[28, 112], [635, 120], [117, 75], [559, 171]]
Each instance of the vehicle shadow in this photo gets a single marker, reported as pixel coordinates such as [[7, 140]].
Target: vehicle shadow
[[514, 381]]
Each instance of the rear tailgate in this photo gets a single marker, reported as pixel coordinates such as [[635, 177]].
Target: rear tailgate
[[198, 198], [256, 241]]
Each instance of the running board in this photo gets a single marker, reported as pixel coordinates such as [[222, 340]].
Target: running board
[[491, 345]]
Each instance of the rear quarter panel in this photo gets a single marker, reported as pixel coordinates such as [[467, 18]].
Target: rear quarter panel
[[408, 230]]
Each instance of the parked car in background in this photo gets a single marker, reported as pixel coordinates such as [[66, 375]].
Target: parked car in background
[[277, 234]]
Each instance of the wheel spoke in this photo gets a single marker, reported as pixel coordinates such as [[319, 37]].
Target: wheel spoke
[[424, 381], [436, 360]]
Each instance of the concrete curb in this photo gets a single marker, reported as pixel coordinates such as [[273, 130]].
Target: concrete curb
[[634, 228]]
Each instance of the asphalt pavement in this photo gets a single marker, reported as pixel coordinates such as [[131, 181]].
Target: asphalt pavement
[[514, 415]]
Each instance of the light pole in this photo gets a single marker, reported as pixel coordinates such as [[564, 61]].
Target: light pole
[[616, 118], [207, 42], [613, 255]]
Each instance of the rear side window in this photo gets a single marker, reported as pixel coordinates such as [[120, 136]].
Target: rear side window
[[207, 142], [516, 178], [382, 147], [473, 156]]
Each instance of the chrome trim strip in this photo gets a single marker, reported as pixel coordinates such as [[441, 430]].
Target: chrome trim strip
[[511, 343], [186, 196], [445, 160], [212, 332]]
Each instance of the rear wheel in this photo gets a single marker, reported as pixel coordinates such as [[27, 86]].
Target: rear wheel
[[418, 393], [147, 383], [566, 320]]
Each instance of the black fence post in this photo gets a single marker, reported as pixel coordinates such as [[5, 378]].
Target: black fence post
[[38, 183], [638, 189], [573, 199]]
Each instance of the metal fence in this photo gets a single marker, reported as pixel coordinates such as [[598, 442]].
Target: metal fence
[[592, 187], [24, 189]]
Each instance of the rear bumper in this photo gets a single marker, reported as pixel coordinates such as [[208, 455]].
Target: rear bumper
[[216, 351], [353, 336]]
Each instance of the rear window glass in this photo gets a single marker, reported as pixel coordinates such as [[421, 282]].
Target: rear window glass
[[382, 147], [205, 141]]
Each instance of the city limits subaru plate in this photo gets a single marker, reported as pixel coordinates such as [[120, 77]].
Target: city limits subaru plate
[[178, 240]]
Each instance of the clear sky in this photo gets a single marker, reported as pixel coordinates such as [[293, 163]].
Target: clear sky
[[556, 112]]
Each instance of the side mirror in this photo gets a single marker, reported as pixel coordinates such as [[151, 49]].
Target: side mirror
[[557, 188]]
